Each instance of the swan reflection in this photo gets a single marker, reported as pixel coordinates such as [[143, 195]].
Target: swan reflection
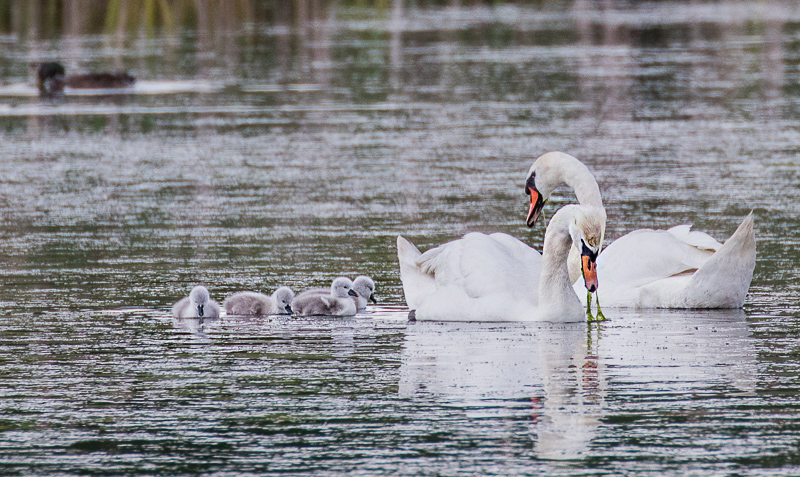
[[563, 379]]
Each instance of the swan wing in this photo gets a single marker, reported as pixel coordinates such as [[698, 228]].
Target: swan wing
[[700, 240], [482, 265], [644, 256], [677, 269]]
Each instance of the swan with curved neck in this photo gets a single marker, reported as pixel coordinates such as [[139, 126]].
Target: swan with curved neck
[[675, 268], [498, 278]]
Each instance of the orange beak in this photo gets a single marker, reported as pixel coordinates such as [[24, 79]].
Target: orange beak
[[536, 206], [589, 270]]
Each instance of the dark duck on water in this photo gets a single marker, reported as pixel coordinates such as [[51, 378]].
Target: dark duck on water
[[52, 78]]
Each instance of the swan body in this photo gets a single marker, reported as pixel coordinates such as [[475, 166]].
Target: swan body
[[675, 268], [252, 303], [496, 277], [339, 302], [197, 305]]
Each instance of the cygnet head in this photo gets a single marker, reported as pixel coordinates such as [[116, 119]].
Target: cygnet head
[[284, 296], [365, 287], [587, 231], [342, 287], [199, 298]]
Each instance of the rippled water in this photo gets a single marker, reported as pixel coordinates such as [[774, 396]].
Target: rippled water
[[277, 154]]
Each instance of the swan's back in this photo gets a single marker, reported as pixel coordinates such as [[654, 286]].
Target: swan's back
[[643, 256], [478, 277], [482, 265], [677, 268]]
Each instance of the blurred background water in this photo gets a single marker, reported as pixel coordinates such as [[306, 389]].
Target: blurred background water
[[273, 143]]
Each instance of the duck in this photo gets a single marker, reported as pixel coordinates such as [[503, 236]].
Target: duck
[[338, 302], [252, 303], [674, 268], [51, 79], [496, 277], [197, 305]]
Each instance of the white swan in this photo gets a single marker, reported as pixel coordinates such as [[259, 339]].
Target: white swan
[[498, 278], [197, 305], [252, 303], [674, 268], [339, 302]]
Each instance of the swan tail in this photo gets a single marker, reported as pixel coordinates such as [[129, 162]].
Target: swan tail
[[723, 281], [416, 283]]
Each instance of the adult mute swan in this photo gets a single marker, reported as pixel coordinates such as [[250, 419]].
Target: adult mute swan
[[498, 278], [675, 268], [197, 305]]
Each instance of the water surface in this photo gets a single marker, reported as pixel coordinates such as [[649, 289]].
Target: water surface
[[286, 150]]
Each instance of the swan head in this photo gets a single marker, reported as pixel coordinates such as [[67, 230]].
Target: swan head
[[545, 175], [342, 287], [553, 170], [586, 231], [284, 296], [199, 298], [365, 288]]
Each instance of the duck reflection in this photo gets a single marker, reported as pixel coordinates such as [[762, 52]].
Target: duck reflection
[[565, 378]]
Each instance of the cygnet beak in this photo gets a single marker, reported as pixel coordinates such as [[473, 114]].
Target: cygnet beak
[[372, 298], [288, 309], [200, 310], [351, 292]]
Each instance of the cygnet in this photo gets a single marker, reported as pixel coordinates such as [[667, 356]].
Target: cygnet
[[197, 305], [338, 303], [252, 303], [365, 289]]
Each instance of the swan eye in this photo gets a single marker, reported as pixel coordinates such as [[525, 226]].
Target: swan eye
[[530, 184]]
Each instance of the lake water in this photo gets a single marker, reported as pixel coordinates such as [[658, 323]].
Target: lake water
[[293, 148]]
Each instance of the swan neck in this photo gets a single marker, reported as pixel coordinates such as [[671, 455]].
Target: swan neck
[[554, 283], [578, 177]]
